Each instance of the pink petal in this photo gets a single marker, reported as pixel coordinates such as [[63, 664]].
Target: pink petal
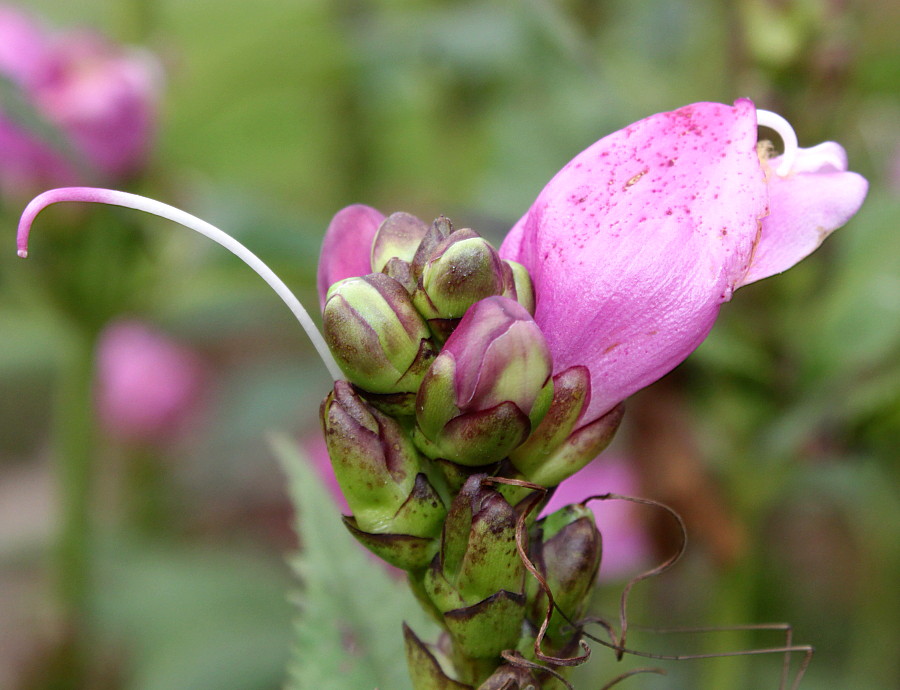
[[805, 207], [347, 246], [638, 240]]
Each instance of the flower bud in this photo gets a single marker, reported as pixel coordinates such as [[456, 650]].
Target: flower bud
[[440, 230], [398, 236], [487, 389], [556, 449], [375, 334], [397, 513], [566, 549], [517, 284], [461, 270], [477, 580]]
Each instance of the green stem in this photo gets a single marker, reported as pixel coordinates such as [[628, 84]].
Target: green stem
[[730, 606], [74, 429]]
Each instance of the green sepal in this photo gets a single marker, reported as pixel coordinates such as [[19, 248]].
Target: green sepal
[[570, 393], [485, 629], [579, 449], [423, 512], [424, 669], [403, 551], [392, 404], [485, 436], [478, 555]]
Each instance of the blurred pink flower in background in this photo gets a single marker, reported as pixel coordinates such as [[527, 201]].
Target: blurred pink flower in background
[[626, 545], [101, 97], [146, 384]]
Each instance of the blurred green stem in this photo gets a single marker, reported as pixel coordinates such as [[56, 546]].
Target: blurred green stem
[[74, 429], [730, 606]]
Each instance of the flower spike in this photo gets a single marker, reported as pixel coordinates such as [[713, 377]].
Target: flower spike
[[139, 203], [774, 121]]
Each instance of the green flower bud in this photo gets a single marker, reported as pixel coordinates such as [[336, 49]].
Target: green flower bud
[[517, 284], [461, 270], [556, 449], [398, 236], [566, 548], [487, 389], [375, 334], [397, 513], [478, 578], [440, 229]]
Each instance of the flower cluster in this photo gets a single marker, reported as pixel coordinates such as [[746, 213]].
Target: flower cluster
[[478, 380], [471, 382], [73, 104]]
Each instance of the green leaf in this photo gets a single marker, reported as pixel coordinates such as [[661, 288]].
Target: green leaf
[[348, 631]]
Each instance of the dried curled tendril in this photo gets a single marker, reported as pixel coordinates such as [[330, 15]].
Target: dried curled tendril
[[617, 639]]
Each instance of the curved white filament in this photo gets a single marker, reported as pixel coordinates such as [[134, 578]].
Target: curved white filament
[[766, 118], [139, 203]]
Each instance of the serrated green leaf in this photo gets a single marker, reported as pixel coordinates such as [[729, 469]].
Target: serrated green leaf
[[348, 630]]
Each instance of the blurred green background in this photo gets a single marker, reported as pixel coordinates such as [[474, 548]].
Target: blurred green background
[[778, 440]]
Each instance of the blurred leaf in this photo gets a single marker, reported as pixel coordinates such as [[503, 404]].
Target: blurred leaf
[[859, 322], [348, 633], [194, 619]]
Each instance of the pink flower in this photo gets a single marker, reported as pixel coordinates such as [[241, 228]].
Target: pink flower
[[641, 237], [626, 546], [100, 97], [146, 384]]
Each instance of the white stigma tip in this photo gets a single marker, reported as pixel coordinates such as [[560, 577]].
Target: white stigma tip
[[23, 253], [774, 121]]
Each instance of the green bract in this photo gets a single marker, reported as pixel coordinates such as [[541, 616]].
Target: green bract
[[397, 513]]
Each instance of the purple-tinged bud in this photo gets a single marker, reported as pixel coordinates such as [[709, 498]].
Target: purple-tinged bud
[[461, 270], [477, 580], [440, 230], [566, 548], [487, 389], [398, 237], [376, 335], [557, 448], [397, 513]]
